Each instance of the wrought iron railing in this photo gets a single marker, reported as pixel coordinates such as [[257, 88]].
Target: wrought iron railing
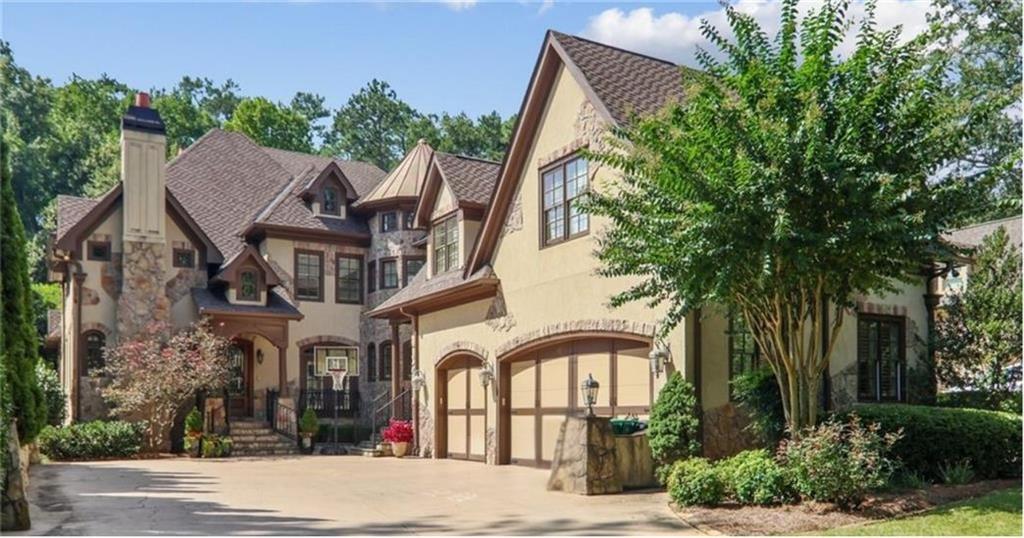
[[283, 419], [399, 407], [329, 403]]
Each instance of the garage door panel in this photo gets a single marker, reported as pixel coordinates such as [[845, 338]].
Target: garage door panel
[[633, 375], [457, 435], [551, 427], [477, 436], [457, 389], [523, 377], [477, 392], [593, 357], [522, 438], [554, 382]]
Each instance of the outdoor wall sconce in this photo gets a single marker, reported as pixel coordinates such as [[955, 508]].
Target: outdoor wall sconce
[[589, 388], [659, 357], [259, 356], [486, 374], [418, 380]]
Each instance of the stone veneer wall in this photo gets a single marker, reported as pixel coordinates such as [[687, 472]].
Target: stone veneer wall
[[397, 244], [726, 432], [143, 297]]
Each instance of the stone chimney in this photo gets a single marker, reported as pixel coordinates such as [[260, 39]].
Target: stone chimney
[[144, 187]]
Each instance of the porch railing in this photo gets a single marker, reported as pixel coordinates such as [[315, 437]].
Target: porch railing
[[283, 419], [329, 403], [400, 407]]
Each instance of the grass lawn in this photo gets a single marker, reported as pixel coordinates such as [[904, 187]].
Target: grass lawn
[[995, 514]]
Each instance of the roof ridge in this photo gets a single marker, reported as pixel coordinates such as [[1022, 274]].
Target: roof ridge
[[275, 201], [988, 223], [469, 157], [556, 33], [202, 138]]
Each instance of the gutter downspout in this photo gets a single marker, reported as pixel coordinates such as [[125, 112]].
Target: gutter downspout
[[416, 366]]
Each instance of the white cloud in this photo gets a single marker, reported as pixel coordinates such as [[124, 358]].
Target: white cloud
[[545, 5], [459, 5], [675, 36]]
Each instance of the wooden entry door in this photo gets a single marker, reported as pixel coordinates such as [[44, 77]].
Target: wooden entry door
[[464, 408], [240, 378]]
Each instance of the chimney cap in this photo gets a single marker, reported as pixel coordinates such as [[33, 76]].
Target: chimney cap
[[142, 100]]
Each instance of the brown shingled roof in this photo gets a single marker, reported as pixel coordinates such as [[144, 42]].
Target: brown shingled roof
[[625, 82], [470, 179], [972, 236], [70, 210], [363, 176]]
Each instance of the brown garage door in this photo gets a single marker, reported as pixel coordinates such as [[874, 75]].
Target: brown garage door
[[464, 402], [541, 388]]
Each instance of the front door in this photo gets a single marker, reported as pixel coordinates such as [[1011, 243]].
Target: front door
[[240, 378]]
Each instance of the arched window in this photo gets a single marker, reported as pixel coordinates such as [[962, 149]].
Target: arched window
[[371, 362], [385, 360], [95, 342]]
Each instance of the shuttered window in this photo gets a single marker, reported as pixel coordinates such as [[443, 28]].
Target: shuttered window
[[881, 358]]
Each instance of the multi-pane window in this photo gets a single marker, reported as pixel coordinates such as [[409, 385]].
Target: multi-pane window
[[95, 342], [412, 267], [561, 187], [385, 361], [184, 257], [330, 205], [371, 362], [309, 275], [407, 220], [248, 285], [371, 275], [236, 370], [743, 352], [349, 285], [313, 381], [446, 245], [881, 350], [98, 250], [388, 274], [389, 221]]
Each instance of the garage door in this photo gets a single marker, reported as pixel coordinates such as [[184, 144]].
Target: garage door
[[466, 412], [542, 388]]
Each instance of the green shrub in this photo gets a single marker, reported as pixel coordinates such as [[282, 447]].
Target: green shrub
[[754, 477], [936, 436], [53, 393], [1009, 402], [695, 481], [839, 461], [309, 423], [757, 393], [91, 440], [956, 473], [211, 446], [672, 428], [193, 422]]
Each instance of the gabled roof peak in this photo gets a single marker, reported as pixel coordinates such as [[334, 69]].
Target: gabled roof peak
[[405, 181]]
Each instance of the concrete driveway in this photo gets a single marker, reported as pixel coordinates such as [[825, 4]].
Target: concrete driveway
[[327, 495]]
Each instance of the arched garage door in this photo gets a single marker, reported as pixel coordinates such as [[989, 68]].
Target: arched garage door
[[462, 409], [540, 388]]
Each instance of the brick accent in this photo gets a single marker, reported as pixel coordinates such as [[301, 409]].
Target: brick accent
[[610, 326], [94, 326], [460, 345], [326, 339]]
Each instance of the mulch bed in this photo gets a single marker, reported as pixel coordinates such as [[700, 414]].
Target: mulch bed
[[807, 517]]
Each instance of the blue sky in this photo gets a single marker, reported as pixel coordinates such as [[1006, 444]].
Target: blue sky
[[439, 57]]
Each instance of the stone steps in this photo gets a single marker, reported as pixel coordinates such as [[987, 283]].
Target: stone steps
[[254, 438]]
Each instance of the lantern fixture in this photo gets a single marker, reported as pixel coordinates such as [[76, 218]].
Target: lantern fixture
[[486, 374], [589, 389], [418, 380], [259, 356], [659, 357]]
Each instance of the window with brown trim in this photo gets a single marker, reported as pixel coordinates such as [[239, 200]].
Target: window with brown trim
[[371, 275], [330, 204], [385, 361], [248, 285], [95, 344], [446, 244], [413, 264], [98, 250], [744, 356], [388, 274], [881, 358], [309, 275], [389, 221], [183, 257], [561, 186], [349, 279]]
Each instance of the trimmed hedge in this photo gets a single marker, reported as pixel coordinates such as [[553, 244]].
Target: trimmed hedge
[[754, 477], [695, 481], [937, 436], [91, 440]]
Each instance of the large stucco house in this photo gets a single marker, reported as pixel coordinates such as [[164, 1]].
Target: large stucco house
[[466, 285]]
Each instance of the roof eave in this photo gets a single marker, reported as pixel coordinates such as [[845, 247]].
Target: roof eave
[[465, 292]]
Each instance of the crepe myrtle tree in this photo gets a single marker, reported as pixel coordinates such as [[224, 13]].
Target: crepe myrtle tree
[[787, 182], [157, 371]]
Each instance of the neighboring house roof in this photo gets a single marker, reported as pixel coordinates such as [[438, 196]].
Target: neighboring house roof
[[406, 180], [213, 302], [70, 210], [617, 82], [972, 236], [424, 294]]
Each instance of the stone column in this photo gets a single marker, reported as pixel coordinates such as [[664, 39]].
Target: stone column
[[585, 458], [143, 299], [396, 370]]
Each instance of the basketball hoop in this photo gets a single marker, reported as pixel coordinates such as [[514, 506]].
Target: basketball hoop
[[338, 378]]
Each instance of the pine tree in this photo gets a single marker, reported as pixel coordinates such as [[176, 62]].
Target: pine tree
[[19, 353]]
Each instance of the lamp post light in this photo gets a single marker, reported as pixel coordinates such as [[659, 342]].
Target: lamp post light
[[589, 388]]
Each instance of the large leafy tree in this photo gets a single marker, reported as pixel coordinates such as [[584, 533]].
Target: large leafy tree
[[23, 394], [373, 126], [270, 124], [789, 181], [192, 107], [979, 43], [978, 337]]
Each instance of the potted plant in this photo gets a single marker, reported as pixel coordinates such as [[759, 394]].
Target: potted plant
[[399, 435], [211, 446], [193, 432], [309, 425]]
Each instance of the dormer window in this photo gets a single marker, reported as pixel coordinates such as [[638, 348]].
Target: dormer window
[[446, 245], [388, 221], [248, 285], [330, 204]]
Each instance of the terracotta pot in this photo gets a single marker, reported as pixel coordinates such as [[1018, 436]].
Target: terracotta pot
[[400, 449]]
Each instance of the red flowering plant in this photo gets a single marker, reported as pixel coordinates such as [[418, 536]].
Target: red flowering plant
[[398, 431]]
